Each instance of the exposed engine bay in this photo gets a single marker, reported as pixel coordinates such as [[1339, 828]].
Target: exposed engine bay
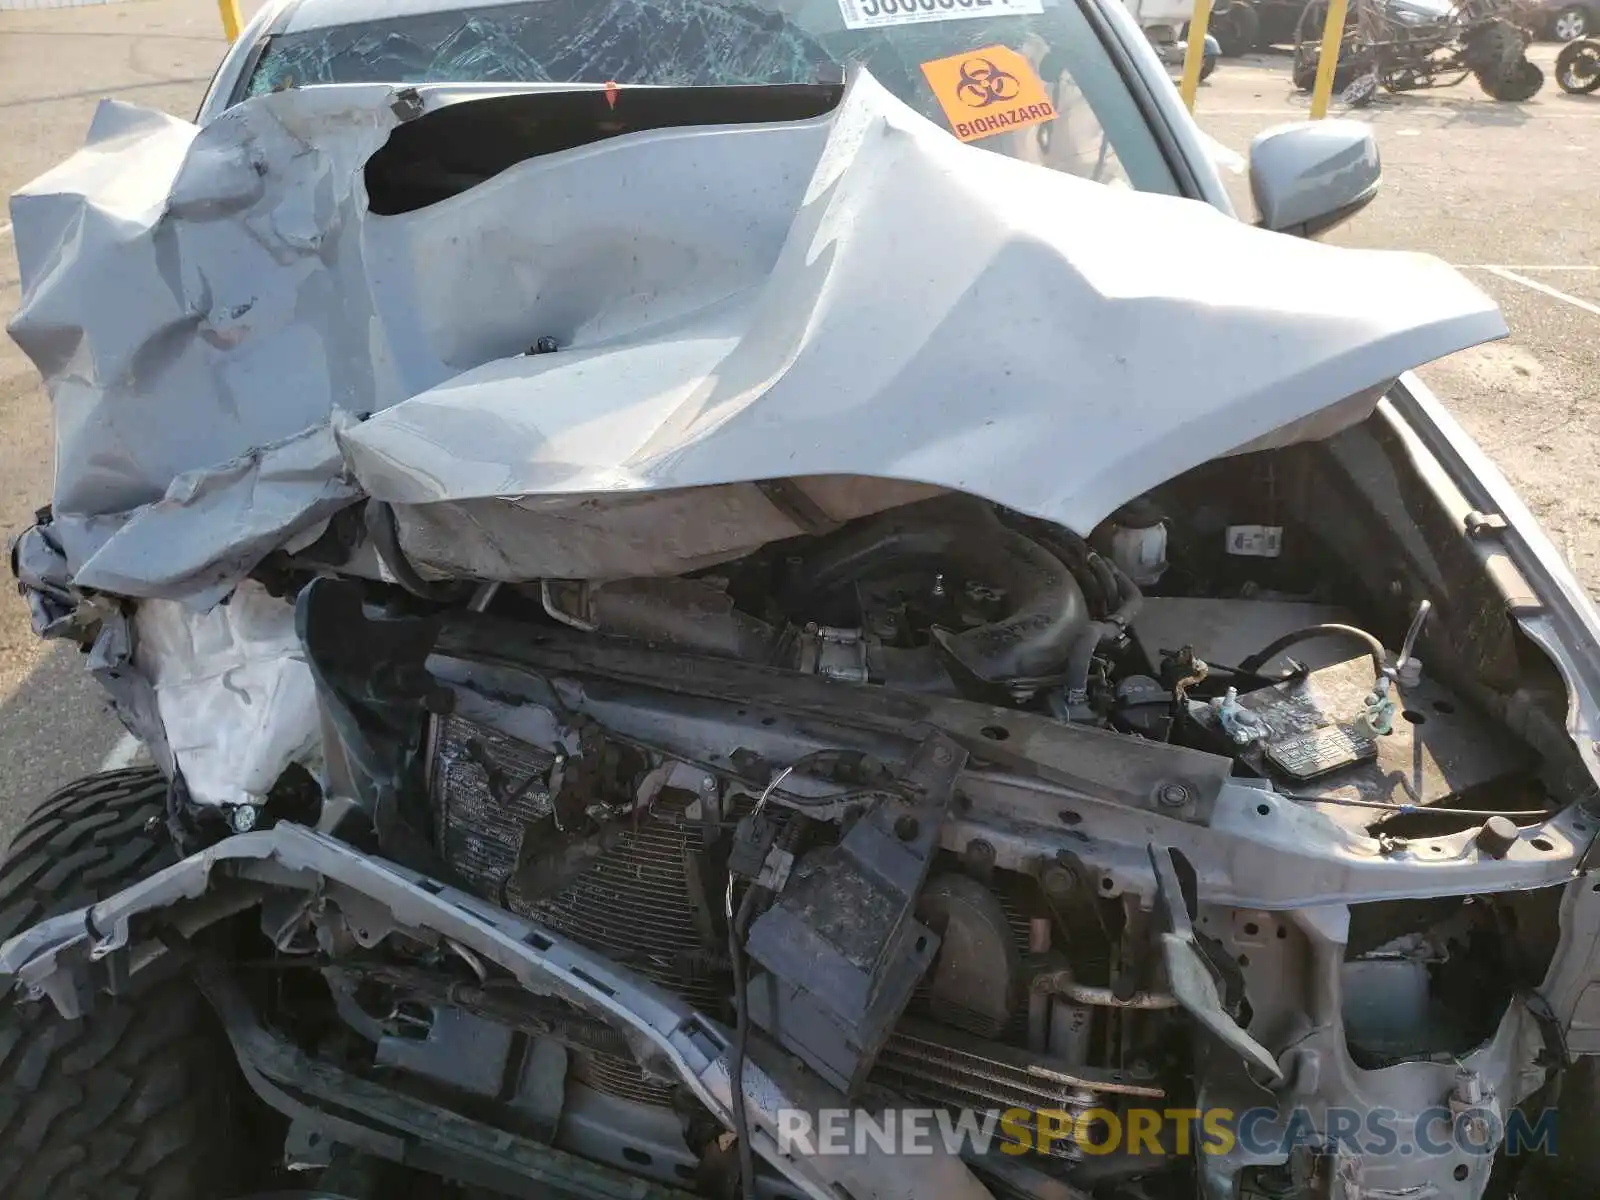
[[907, 935], [953, 810], [567, 810]]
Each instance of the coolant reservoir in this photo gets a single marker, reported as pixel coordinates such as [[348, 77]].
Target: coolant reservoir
[[1138, 537]]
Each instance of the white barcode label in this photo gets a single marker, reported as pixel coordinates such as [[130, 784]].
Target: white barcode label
[[872, 14], [1255, 541]]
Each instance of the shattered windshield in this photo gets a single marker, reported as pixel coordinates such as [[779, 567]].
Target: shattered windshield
[[1027, 78]]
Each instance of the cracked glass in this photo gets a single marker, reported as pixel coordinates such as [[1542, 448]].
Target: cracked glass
[[1097, 130]]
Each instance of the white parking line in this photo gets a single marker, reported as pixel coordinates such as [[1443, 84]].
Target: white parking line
[[122, 754], [1202, 113], [1535, 285], [1526, 267]]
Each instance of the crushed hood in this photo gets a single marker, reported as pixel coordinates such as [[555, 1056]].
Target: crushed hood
[[855, 305]]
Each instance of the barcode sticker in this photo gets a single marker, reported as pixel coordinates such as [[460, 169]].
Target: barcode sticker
[[873, 14], [1255, 541]]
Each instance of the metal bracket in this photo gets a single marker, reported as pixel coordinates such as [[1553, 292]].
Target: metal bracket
[[1479, 524], [842, 949], [1193, 985]]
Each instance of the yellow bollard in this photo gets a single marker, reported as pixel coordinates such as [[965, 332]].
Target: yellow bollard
[[231, 23], [1194, 56], [1332, 39]]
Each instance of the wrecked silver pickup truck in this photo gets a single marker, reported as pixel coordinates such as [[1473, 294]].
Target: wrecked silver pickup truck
[[716, 640]]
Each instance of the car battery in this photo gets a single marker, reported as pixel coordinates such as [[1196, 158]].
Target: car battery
[[1313, 743]]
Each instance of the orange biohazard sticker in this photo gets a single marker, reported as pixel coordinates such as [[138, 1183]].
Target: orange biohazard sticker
[[988, 91]]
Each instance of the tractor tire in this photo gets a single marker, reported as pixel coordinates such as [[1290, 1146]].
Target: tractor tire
[[1304, 73], [1578, 67], [1308, 50], [1238, 29], [139, 1099], [1522, 83], [1308, 45], [1492, 50]]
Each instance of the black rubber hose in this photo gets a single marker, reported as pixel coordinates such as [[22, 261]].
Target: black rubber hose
[[1097, 565], [1081, 659], [1253, 664], [1047, 609], [1129, 598], [1075, 553], [385, 532]]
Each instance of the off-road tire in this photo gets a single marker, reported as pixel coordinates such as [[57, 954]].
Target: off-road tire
[[1495, 52], [1238, 30], [137, 1100], [1308, 49], [1361, 91], [1578, 66], [1352, 61], [1521, 83], [1303, 73], [1492, 49], [1344, 73]]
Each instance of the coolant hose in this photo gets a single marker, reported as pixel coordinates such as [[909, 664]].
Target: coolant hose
[[1131, 598], [1081, 660], [1110, 587]]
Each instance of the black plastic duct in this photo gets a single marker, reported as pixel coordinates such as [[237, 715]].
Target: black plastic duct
[[964, 537]]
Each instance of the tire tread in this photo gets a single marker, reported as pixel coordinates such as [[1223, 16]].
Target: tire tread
[[132, 1101]]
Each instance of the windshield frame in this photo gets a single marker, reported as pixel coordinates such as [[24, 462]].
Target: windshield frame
[[1136, 64]]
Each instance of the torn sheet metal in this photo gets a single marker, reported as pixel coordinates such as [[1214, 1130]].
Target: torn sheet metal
[[227, 518], [934, 315], [856, 295]]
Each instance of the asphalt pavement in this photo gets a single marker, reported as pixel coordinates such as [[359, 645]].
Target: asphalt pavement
[[1509, 193], [1505, 191]]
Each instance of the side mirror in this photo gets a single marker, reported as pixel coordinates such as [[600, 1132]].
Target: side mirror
[[1307, 176]]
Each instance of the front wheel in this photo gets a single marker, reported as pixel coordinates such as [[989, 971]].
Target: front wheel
[[1362, 91], [1570, 23], [139, 1098], [1238, 28], [1308, 48], [1521, 83], [1578, 67]]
